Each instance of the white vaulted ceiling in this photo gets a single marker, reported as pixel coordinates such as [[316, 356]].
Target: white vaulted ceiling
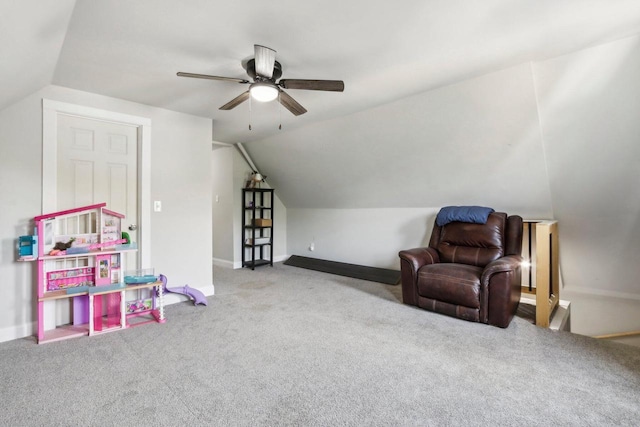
[[384, 51]]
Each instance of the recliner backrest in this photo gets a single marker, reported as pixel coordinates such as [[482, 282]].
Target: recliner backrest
[[472, 244]]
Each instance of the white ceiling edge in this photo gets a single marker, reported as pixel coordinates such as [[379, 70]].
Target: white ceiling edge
[[32, 35]]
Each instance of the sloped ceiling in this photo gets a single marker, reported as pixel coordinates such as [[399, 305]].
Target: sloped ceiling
[[31, 36], [462, 143], [383, 52]]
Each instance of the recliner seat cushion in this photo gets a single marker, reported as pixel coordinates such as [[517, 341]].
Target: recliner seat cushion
[[457, 284]]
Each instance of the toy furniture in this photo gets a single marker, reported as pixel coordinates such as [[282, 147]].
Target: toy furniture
[[27, 247], [80, 264], [469, 270]]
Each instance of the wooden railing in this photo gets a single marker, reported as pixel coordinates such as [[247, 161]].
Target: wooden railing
[[541, 274]]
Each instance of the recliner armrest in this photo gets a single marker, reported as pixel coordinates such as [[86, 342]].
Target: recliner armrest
[[419, 257], [411, 260], [507, 263], [501, 290]]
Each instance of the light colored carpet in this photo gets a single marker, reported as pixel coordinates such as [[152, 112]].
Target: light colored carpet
[[287, 346]]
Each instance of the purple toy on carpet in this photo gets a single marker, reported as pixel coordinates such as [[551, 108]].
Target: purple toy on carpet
[[197, 296]]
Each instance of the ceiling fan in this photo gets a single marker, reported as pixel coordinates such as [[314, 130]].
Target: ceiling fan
[[265, 70]]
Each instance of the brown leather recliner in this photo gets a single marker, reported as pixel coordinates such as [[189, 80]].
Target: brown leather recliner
[[469, 271]]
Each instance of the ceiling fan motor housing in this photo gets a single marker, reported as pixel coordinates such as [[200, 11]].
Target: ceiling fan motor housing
[[251, 71]]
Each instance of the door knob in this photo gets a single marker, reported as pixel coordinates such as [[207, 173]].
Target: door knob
[[133, 227]]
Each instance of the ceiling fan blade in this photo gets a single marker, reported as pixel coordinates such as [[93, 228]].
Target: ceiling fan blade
[[265, 60], [206, 76], [291, 104], [328, 85], [236, 101]]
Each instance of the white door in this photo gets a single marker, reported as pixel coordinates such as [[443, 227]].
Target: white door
[[97, 162]]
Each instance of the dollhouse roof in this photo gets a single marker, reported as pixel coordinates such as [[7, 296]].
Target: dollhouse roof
[[76, 210]]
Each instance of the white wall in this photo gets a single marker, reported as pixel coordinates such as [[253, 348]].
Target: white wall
[[589, 110], [359, 236], [181, 244], [20, 192], [223, 204]]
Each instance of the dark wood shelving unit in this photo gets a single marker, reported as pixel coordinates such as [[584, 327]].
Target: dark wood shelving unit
[[257, 227]]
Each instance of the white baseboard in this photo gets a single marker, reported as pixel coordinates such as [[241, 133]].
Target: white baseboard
[[281, 258], [17, 332], [223, 263], [238, 264], [600, 293]]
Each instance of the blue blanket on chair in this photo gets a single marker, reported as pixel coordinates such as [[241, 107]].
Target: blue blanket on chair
[[473, 214]]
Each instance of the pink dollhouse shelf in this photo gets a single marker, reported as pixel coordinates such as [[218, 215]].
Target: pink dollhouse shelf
[[72, 331], [65, 332], [95, 290], [46, 257]]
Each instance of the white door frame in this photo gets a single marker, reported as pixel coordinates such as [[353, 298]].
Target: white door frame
[[50, 111]]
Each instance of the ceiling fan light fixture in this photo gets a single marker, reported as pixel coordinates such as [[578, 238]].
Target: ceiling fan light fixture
[[263, 92], [267, 85]]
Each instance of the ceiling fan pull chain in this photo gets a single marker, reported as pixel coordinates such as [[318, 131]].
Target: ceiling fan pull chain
[[249, 113]]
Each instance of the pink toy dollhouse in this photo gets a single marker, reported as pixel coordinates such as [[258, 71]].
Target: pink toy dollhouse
[[80, 261]]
